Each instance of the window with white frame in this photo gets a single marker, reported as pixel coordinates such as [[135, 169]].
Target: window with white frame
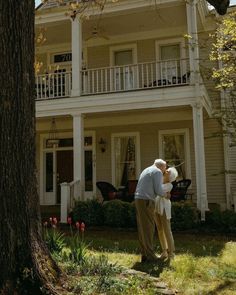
[[171, 54], [174, 149], [123, 58], [125, 158]]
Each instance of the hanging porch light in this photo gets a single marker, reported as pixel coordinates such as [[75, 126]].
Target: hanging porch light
[[53, 140]]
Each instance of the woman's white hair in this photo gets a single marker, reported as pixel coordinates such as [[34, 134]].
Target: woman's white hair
[[173, 173]]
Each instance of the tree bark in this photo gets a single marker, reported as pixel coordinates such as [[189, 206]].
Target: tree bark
[[26, 265]]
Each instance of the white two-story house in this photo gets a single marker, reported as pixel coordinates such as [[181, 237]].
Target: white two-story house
[[121, 87]]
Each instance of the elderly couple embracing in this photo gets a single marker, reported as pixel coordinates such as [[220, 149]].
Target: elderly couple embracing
[[153, 209]]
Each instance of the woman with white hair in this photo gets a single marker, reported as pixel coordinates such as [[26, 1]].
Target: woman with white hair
[[163, 216]]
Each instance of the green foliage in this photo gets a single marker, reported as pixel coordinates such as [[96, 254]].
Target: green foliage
[[224, 52], [131, 214], [99, 266], [220, 221], [78, 249], [197, 274], [90, 212], [201, 267], [184, 216], [119, 214], [112, 213], [54, 239]]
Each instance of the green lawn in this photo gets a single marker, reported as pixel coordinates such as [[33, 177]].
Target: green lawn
[[204, 264]]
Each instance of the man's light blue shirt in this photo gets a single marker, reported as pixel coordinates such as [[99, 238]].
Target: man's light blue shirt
[[150, 184]]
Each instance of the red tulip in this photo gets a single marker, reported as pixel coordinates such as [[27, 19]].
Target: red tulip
[[77, 225], [50, 219], [54, 220], [82, 227], [69, 220]]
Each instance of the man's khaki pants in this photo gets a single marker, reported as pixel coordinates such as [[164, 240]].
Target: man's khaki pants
[[146, 227], [165, 233]]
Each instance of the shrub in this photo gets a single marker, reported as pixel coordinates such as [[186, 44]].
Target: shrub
[[89, 212], [184, 216], [131, 214], [229, 221], [220, 221], [114, 213], [119, 214]]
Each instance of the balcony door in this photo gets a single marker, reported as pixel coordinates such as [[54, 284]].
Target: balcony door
[[123, 71], [122, 59], [170, 65]]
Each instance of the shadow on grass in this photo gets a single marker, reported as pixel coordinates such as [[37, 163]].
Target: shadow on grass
[[227, 285], [121, 241], [152, 268], [126, 241]]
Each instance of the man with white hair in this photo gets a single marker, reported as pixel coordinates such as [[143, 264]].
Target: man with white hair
[[148, 187]]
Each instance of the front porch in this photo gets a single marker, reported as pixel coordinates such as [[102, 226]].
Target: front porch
[[95, 147]]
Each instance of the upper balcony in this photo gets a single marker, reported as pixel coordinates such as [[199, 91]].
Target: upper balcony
[[133, 48], [168, 73]]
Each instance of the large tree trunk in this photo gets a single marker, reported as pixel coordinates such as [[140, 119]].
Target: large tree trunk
[[26, 264]]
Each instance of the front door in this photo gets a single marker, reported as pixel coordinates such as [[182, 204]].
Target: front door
[[64, 161], [58, 168]]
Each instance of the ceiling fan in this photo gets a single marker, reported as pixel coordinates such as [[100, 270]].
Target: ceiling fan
[[95, 34]]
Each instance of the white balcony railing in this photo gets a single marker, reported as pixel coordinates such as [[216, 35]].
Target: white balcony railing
[[53, 85], [116, 79], [135, 77]]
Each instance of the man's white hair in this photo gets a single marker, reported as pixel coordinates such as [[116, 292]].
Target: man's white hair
[[159, 162], [173, 173]]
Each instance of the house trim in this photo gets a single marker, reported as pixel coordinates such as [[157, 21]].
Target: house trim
[[146, 99]]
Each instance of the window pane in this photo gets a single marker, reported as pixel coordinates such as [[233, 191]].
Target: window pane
[[174, 152], [66, 142], [49, 172], [125, 159], [170, 68], [88, 157], [170, 52], [123, 58], [88, 140]]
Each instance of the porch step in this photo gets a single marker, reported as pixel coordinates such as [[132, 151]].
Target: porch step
[[50, 211]]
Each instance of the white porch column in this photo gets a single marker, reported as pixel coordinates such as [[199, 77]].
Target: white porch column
[[65, 200], [198, 128], [78, 151], [193, 41], [76, 37]]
